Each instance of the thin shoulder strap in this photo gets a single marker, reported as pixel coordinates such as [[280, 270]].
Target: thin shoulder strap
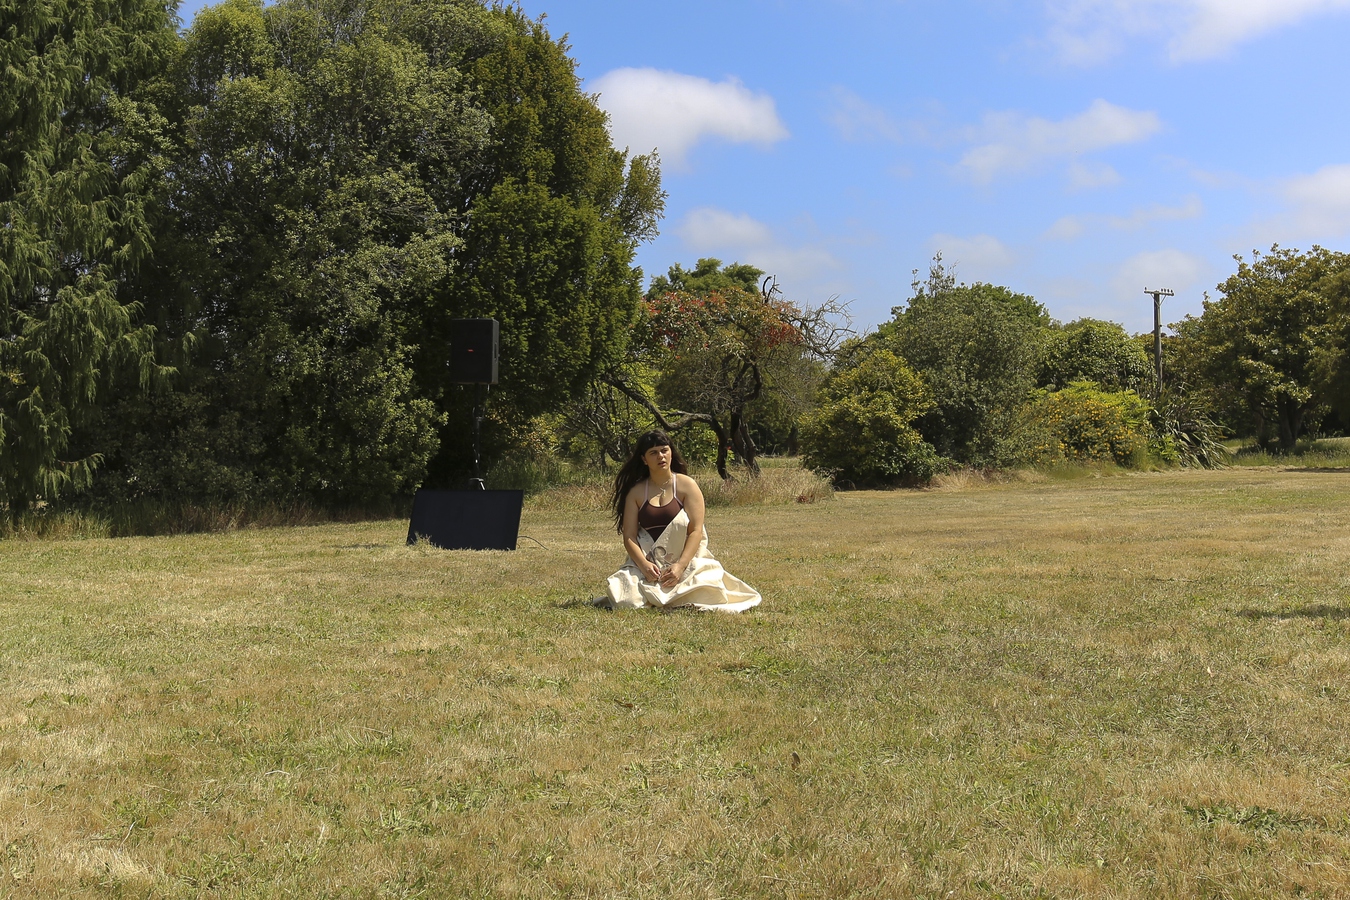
[[646, 488], [676, 486]]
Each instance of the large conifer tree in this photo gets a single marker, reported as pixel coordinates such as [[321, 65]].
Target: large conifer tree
[[74, 178]]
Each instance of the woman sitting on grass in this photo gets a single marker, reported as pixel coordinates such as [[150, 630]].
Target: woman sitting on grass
[[659, 511]]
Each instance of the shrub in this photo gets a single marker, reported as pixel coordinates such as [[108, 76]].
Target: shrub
[[1084, 423], [863, 430], [1184, 436]]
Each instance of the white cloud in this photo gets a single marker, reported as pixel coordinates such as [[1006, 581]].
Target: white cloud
[[738, 237], [1015, 142], [857, 119], [1086, 176], [1068, 228], [1320, 202], [973, 256], [1086, 32], [1316, 208], [1157, 269], [672, 112], [1071, 227]]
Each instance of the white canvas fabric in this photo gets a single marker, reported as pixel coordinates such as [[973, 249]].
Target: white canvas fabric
[[705, 585]]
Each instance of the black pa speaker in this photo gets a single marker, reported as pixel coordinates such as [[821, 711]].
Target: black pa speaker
[[467, 520], [473, 351]]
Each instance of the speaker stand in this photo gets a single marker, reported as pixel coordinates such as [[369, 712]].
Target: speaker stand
[[476, 483]]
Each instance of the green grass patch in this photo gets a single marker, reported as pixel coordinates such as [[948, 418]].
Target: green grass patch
[[1118, 687]]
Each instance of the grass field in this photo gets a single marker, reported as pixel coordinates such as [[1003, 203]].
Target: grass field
[[1132, 686]]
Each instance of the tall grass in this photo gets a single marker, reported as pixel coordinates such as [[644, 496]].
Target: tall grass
[[548, 482], [150, 518], [781, 480], [48, 524], [1323, 453]]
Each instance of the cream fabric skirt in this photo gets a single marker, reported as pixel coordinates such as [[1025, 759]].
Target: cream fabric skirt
[[705, 585]]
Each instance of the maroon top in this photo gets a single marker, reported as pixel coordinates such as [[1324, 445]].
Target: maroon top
[[656, 518]]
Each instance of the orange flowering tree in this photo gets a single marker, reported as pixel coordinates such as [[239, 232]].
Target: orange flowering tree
[[717, 351]]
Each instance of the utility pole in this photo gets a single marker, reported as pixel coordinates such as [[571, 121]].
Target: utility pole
[[1158, 294]]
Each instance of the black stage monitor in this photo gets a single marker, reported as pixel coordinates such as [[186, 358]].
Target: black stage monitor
[[473, 351], [467, 520]]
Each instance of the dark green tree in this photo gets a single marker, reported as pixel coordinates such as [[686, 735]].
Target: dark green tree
[[976, 348], [553, 217], [78, 165], [1261, 350], [863, 430], [349, 177], [1332, 361], [707, 275], [306, 231]]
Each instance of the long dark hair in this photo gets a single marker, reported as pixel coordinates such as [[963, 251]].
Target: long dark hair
[[635, 469]]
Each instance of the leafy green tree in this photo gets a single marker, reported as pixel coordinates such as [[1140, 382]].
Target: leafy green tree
[[792, 388], [976, 347], [1266, 341], [1332, 362], [349, 178], [602, 422], [304, 237], [1093, 350], [863, 431], [554, 216], [708, 275], [78, 165]]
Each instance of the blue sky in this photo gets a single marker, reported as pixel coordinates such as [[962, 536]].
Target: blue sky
[[1075, 150]]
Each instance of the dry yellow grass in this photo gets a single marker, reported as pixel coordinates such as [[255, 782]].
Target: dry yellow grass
[[782, 480], [1134, 687]]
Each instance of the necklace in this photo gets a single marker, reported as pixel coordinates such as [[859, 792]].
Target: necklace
[[668, 485]]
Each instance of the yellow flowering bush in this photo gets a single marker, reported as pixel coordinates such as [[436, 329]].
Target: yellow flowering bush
[[1081, 422]]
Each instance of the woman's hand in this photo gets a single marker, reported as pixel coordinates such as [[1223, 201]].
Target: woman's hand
[[650, 572], [672, 575]]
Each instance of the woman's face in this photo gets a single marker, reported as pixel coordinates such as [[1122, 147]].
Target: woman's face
[[657, 458]]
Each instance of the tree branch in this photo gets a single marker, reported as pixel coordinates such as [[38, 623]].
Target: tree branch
[[823, 328], [685, 418]]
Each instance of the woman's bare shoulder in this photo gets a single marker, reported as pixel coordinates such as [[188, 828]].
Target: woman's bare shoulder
[[688, 485]]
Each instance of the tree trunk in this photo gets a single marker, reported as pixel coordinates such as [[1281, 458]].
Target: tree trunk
[[1289, 417], [723, 445], [1264, 439], [1291, 423], [744, 445]]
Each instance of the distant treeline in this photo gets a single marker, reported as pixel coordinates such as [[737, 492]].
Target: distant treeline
[[979, 375], [974, 375], [229, 255]]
